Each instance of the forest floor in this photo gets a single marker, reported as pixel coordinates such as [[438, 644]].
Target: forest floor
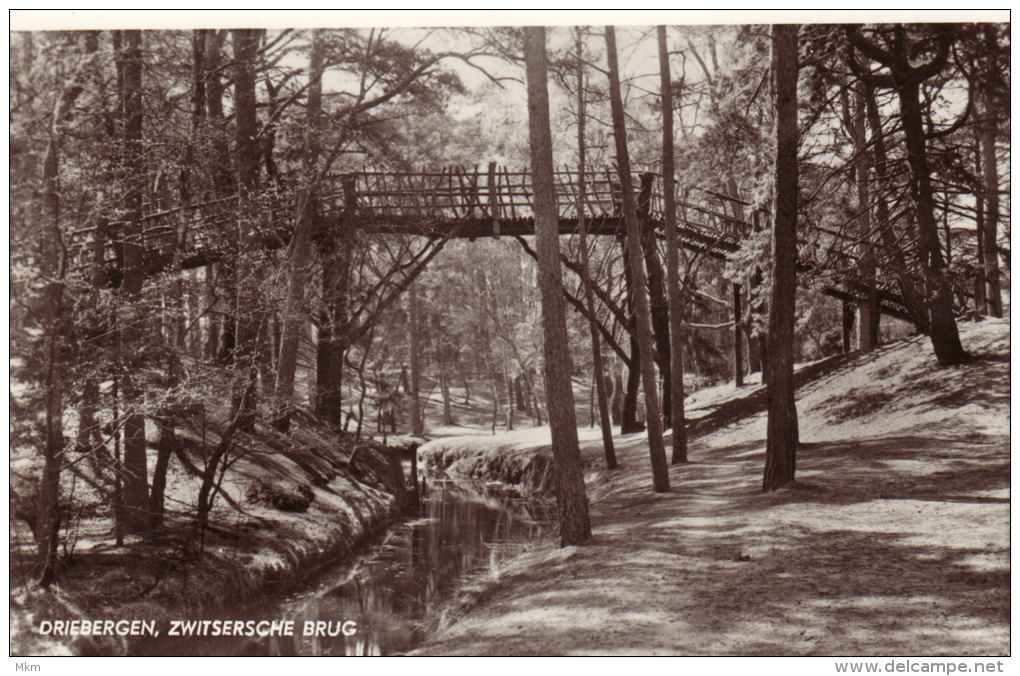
[[893, 540]]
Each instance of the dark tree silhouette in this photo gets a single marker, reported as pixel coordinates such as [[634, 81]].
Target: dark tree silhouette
[[575, 526], [136, 489], [582, 226], [672, 258], [781, 440], [896, 50], [642, 314]]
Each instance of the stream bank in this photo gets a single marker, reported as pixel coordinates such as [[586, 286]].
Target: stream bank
[[290, 504], [392, 594]]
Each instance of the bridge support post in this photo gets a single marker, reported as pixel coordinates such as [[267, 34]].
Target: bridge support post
[[335, 254], [869, 316], [493, 200], [849, 318]]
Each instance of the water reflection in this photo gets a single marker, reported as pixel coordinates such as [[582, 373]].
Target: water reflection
[[396, 590]]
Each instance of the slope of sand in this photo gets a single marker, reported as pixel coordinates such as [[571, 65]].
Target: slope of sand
[[894, 541]]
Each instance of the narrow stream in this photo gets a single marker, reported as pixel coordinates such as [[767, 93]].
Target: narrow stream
[[395, 590]]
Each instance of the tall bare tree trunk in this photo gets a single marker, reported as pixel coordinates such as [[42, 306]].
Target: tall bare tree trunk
[[508, 383], [616, 403], [444, 389], [572, 503], [168, 445], [738, 348], [53, 266], [596, 348], [335, 259], [249, 310], [988, 124], [905, 78], [945, 337], [676, 384], [980, 284], [781, 441], [868, 310], [628, 411], [908, 292], [300, 249], [417, 424], [658, 303], [656, 447], [136, 487], [215, 88]]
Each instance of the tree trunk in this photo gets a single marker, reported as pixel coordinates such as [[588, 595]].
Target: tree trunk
[[334, 258], [628, 409], [249, 311], [755, 339], [906, 79], [656, 447], [214, 91], [206, 492], [628, 412], [741, 324], [988, 126], [168, 446], [596, 348], [738, 352], [136, 487], [300, 250], [572, 503], [496, 406], [910, 295], [509, 396], [945, 337], [980, 284], [90, 439], [522, 401], [219, 277], [781, 441], [868, 310], [536, 405], [444, 388], [616, 404], [417, 424], [659, 305], [676, 384], [849, 320], [47, 529]]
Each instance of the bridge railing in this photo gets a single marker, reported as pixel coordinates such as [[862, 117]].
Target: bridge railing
[[457, 193], [500, 194], [410, 202], [414, 202]]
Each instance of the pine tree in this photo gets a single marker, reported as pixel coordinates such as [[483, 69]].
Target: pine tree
[[781, 440], [575, 526]]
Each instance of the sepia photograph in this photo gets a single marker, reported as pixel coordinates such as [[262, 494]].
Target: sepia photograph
[[510, 333]]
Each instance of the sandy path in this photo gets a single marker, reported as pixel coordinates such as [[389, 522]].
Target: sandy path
[[897, 542]]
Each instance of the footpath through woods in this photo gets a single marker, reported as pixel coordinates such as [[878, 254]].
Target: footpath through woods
[[895, 539]]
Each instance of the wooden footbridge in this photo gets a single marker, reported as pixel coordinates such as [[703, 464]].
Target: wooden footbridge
[[451, 203]]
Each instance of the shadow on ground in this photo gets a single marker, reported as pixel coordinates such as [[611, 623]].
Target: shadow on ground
[[894, 539]]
